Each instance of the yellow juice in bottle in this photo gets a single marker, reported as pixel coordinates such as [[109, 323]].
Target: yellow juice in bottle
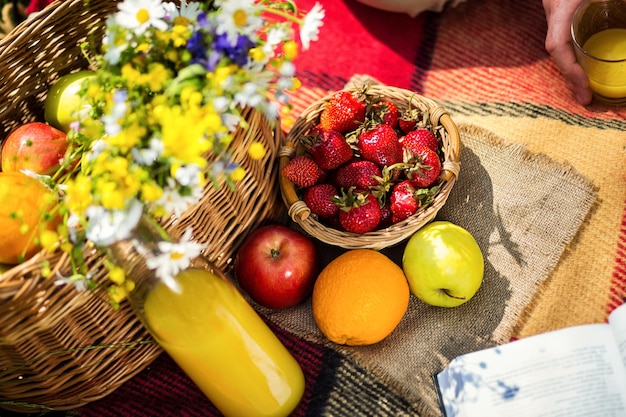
[[222, 344], [608, 79]]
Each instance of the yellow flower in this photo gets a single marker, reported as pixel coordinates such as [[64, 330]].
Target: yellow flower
[[151, 192], [79, 194], [45, 269], [296, 84], [117, 294], [158, 75], [110, 196], [238, 174], [290, 48], [131, 74], [256, 151], [180, 33], [117, 275], [49, 240], [257, 54]]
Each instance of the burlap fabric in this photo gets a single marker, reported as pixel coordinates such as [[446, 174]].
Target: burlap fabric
[[505, 196]]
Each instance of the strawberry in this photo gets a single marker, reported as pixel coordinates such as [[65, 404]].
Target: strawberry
[[328, 148], [420, 136], [359, 211], [302, 171], [319, 198], [406, 125], [344, 112], [385, 111], [380, 145], [424, 166], [409, 119], [358, 173], [402, 201]]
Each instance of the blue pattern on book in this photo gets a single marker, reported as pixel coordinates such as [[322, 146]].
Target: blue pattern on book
[[461, 382]]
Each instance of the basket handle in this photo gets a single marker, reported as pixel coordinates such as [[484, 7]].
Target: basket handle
[[452, 165], [297, 209]]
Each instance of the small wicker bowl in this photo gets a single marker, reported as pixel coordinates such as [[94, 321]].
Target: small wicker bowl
[[398, 232]]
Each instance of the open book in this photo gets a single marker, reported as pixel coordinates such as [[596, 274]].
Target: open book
[[572, 372]]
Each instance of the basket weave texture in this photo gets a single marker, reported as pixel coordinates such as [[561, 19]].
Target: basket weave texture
[[60, 348], [398, 232]]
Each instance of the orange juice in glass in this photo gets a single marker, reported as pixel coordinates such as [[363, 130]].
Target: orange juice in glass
[[222, 344], [599, 35]]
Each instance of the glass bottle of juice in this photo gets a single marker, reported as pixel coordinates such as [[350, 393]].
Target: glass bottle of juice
[[212, 333]]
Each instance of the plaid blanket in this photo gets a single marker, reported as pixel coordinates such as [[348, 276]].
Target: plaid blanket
[[486, 64]]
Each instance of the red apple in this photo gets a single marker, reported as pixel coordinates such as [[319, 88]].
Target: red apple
[[277, 266], [36, 146]]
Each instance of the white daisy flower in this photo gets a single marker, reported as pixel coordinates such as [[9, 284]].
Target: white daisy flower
[[109, 226], [287, 69], [249, 95], [275, 36], [188, 175], [118, 111], [147, 156], [231, 121], [139, 15], [311, 25], [271, 109], [97, 147], [187, 10], [79, 282], [174, 257], [238, 17], [173, 202], [114, 44]]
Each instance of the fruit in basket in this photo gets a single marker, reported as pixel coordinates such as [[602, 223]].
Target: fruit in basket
[[383, 153], [302, 171], [328, 148], [319, 198], [379, 143], [386, 112], [424, 166], [24, 213], [360, 297], [63, 101], [443, 264], [344, 112], [358, 173], [34, 146], [419, 136], [276, 266], [359, 211]]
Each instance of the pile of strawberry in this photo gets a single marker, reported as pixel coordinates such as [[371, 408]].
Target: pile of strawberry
[[366, 165]]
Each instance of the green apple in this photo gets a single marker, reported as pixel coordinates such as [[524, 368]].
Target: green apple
[[63, 101], [443, 264]]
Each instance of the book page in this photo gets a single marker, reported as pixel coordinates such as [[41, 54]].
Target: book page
[[571, 372], [617, 320]]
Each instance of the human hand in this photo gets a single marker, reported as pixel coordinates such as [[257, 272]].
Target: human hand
[[559, 45]]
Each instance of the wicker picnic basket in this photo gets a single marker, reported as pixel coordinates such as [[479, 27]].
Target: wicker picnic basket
[[60, 348], [398, 232]]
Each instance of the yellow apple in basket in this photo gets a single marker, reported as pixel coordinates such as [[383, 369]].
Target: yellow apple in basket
[[443, 264], [63, 102]]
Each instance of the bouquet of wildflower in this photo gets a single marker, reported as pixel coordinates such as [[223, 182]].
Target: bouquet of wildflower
[[168, 90]]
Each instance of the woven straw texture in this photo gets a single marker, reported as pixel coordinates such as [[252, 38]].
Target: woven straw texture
[[441, 122], [60, 348]]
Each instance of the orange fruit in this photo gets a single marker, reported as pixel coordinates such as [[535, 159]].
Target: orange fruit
[[360, 297], [24, 201]]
